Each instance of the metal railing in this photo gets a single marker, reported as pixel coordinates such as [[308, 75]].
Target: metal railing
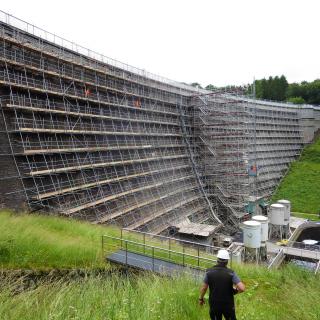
[[297, 250], [277, 260], [304, 246], [169, 241], [122, 248]]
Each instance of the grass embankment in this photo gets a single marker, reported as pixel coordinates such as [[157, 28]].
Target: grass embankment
[[30, 241], [38, 241], [46, 242], [284, 294], [302, 183], [309, 216]]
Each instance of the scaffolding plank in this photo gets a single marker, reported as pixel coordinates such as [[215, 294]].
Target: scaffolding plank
[[95, 149], [101, 182], [163, 227], [114, 196], [143, 204], [87, 115], [78, 97], [160, 213], [101, 164], [104, 133]]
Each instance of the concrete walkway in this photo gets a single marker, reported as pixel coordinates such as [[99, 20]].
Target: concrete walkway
[[143, 262]]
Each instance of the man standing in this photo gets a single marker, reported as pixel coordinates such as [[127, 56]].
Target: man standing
[[223, 284]]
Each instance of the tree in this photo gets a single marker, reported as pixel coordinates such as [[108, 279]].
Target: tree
[[296, 100], [309, 91], [261, 89], [196, 85], [272, 89], [284, 87], [294, 90], [210, 87]]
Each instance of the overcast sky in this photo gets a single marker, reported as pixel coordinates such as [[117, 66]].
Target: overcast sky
[[216, 41]]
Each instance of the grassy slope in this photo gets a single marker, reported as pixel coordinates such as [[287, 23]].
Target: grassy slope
[[32, 241], [46, 242], [279, 295], [302, 184]]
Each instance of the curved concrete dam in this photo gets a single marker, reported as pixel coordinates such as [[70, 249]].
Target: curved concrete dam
[[88, 137]]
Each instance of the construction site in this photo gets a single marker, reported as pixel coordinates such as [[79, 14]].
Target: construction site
[[88, 137]]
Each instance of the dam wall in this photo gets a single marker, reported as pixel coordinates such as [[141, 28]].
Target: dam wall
[[88, 137]]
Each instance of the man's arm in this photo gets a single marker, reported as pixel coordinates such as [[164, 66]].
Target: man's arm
[[203, 291], [239, 285]]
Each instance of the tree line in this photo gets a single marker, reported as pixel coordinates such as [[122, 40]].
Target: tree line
[[278, 89]]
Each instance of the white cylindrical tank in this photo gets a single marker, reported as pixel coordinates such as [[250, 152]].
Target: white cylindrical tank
[[277, 213], [264, 227], [251, 234], [287, 204], [236, 257]]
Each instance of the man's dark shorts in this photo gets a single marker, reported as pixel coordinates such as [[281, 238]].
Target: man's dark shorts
[[217, 311]]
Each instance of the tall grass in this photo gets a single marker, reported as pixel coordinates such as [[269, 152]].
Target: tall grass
[[302, 183], [29, 241], [38, 241], [46, 242], [282, 294]]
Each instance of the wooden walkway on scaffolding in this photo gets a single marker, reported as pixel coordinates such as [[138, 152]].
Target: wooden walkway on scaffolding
[[156, 265]]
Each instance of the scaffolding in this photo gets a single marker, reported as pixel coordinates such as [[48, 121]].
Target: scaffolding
[[278, 140], [223, 145], [95, 139], [86, 136], [245, 148]]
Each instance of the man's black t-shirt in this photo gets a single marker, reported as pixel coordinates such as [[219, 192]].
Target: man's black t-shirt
[[220, 280]]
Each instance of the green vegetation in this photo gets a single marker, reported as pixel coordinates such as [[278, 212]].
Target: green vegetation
[[272, 88], [289, 293], [308, 91], [278, 89], [309, 216], [44, 242], [302, 183], [296, 100], [38, 241], [32, 241]]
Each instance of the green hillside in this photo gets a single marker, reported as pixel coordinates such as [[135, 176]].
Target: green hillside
[[46, 242], [287, 294], [32, 241], [38, 241], [302, 183]]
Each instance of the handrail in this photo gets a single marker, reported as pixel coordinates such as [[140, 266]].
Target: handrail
[[317, 267], [295, 251], [277, 259], [124, 247], [159, 248], [171, 238], [303, 246]]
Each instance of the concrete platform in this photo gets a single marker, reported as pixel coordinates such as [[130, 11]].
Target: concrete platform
[[147, 263]]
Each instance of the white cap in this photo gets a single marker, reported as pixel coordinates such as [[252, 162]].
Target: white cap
[[223, 254]]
